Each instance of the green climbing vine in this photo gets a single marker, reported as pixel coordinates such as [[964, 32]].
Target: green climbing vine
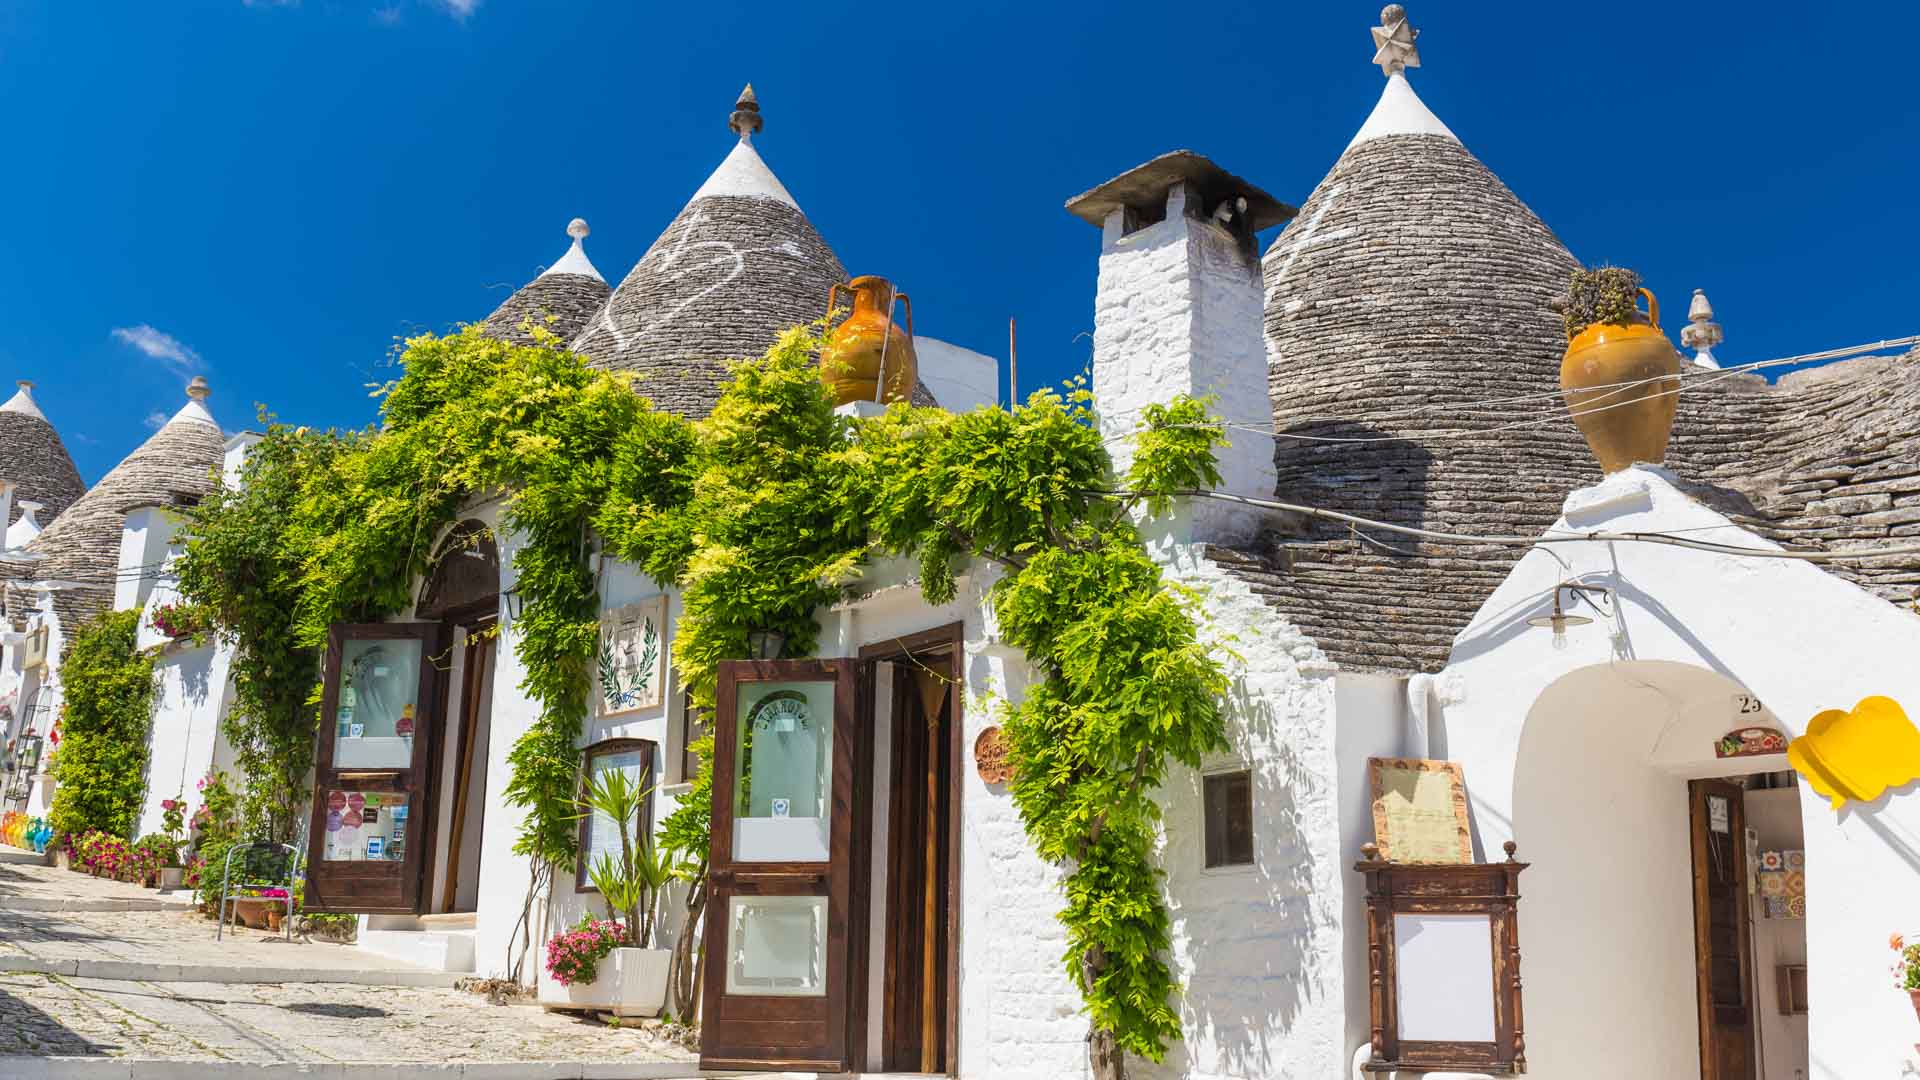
[[762, 513], [100, 768]]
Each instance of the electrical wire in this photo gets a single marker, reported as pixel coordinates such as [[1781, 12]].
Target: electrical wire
[[1598, 536], [1600, 392]]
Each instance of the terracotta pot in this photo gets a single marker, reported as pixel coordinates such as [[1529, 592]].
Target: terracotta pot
[[275, 917], [252, 911], [1915, 996], [850, 362], [1623, 424]]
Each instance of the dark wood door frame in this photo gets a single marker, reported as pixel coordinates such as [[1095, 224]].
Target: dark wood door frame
[[477, 658], [378, 888], [1717, 1015], [943, 641]]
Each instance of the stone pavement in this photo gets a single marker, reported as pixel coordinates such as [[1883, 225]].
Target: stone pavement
[[174, 943], [50, 1016], [30, 885], [266, 1006]]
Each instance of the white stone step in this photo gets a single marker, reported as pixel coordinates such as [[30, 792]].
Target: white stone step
[[435, 950]]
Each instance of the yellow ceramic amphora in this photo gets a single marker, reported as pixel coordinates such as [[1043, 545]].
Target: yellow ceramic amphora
[[1622, 384]]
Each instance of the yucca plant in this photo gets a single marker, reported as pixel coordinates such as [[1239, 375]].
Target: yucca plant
[[630, 885]]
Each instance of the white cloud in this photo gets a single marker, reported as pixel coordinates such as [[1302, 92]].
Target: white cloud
[[387, 16], [156, 420], [160, 345], [459, 9]]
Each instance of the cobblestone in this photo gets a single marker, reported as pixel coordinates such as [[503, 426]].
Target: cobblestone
[[42, 1016]]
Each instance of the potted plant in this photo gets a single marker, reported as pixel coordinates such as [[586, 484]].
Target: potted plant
[[1906, 969], [1621, 376], [173, 820], [608, 965]]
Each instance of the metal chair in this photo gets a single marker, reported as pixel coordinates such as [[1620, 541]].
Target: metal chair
[[252, 877]]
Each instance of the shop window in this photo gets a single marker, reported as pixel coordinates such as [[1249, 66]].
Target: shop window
[[599, 834], [1228, 799]]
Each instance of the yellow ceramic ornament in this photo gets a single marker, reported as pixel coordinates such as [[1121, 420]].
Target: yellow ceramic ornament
[[1860, 754]]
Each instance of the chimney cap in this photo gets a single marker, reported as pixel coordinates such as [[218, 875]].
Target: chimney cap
[[1148, 184]]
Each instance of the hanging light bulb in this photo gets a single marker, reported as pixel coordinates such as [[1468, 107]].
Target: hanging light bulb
[[1559, 620]]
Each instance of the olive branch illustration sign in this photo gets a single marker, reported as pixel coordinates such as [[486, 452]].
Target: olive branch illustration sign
[[629, 661]]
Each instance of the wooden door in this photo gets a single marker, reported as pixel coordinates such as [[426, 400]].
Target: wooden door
[[1722, 948], [374, 767], [476, 662], [914, 1027], [777, 986]]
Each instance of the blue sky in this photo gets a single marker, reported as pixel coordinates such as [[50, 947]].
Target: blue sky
[[271, 193]]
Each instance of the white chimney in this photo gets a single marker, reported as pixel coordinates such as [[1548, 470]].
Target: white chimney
[[1179, 310]]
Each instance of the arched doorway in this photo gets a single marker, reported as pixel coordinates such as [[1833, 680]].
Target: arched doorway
[[1647, 953], [462, 593]]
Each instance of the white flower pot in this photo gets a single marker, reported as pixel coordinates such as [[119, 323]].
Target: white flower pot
[[171, 877], [627, 982]]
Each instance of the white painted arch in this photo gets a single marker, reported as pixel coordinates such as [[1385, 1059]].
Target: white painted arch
[[1559, 750]]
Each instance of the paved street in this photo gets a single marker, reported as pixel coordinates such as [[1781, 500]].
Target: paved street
[[53, 1018]]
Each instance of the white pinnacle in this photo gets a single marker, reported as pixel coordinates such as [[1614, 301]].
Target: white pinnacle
[[575, 261], [22, 402], [1393, 47], [1400, 110], [1701, 333]]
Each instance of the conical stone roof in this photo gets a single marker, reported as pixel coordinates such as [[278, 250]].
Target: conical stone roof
[[34, 458], [176, 466], [1406, 311], [738, 266], [562, 299]]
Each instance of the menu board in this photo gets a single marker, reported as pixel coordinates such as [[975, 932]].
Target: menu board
[[1420, 811]]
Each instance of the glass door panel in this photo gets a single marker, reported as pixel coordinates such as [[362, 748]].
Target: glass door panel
[[375, 720], [783, 786]]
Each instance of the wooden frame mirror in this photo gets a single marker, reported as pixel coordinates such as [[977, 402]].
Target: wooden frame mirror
[[1443, 947], [596, 829]]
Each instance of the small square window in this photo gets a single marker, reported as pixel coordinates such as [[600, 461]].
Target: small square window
[[1228, 806]]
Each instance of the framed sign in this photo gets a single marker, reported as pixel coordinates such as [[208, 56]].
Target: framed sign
[[633, 649], [1443, 946], [1420, 811]]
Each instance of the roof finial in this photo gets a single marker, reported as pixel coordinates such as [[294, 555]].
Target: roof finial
[[1393, 47], [745, 121], [1701, 333], [198, 389], [577, 228], [24, 384]]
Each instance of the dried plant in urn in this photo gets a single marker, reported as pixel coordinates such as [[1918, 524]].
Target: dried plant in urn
[[1621, 376]]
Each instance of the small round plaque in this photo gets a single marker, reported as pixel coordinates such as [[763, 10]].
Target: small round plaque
[[990, 756]]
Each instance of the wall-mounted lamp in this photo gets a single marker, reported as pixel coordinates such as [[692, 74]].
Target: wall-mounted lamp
[[766, 644], [515, 603], [1559, 620]]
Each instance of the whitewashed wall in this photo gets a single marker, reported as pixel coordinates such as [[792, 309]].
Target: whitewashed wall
[[190, 696], [961, 379], [1800, 639], [1258, 948]]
